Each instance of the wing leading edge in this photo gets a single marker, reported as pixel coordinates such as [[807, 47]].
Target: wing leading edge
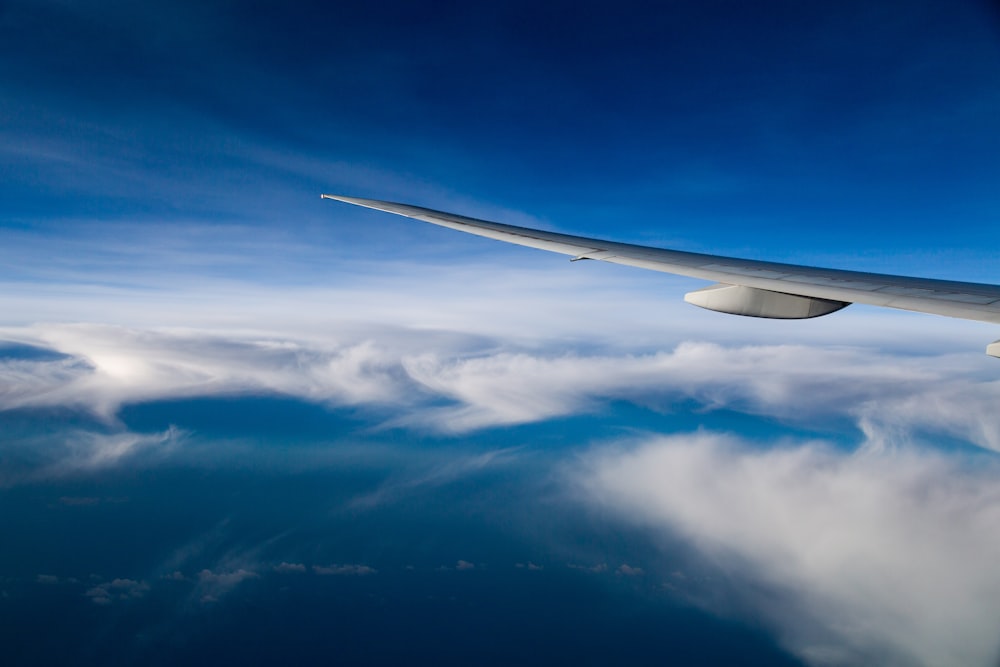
[[746, 287]]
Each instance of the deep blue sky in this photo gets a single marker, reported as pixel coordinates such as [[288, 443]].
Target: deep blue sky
[[239, 423], [865, 127]]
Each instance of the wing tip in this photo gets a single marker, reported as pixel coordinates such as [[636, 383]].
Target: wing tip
[[358, 201]]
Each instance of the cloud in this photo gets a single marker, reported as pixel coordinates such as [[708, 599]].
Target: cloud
[[78, 501], [226, 579], [878, 556], [801, 384], [74, 451], [285, 568], [593, 569], [452, 383], [117, 589], [212, 585], [454, 355], [482, 386], [93, 450], [350, 570], [460, 566], [107, 366], [456, 466]]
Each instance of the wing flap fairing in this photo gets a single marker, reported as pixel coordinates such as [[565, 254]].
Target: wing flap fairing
[[752, 302]]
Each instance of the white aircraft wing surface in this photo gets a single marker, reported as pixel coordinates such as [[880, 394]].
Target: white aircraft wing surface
[[745, 286]]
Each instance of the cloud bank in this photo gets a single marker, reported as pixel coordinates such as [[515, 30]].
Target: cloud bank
[[455, 383], [872, 557]]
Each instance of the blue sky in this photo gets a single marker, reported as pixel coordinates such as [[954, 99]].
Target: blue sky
[[241, 421]]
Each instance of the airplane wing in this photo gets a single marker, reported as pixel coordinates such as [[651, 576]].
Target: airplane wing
[[744, 286]]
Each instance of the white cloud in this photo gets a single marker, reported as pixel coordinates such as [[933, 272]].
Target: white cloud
[[880, 556], [109, 366], [486, 386]]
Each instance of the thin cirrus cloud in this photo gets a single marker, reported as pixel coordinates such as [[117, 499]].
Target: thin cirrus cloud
[[80, 451], [876, 556]]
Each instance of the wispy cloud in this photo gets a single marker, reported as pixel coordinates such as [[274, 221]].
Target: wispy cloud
[[453, 382], [71, 451], [214, 584], [884, 556], [438, 473], [89, 450]]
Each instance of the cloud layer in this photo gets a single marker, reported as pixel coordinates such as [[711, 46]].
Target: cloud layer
[[453, 382], [881, 552], [873, 557], [858, 552]]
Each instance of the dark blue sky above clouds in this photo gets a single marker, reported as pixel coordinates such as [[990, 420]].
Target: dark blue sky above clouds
[[790, 122], [241, 423]]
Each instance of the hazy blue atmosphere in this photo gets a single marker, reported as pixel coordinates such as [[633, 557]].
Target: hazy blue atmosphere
[[240, 424]]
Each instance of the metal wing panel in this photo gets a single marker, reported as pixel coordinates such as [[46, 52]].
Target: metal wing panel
[[974, 301]]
